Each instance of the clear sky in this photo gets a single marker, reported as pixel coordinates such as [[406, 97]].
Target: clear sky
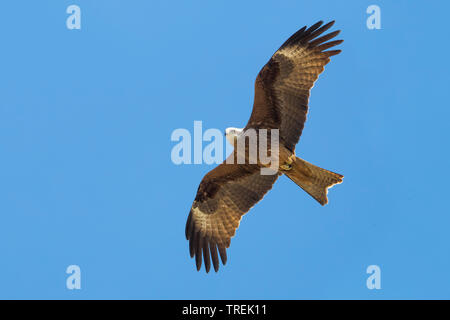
[[86, 176]]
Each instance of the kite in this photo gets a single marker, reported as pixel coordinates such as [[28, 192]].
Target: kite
[[282, 90]]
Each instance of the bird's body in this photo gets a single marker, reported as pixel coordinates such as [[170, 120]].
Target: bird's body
[[227, 192]]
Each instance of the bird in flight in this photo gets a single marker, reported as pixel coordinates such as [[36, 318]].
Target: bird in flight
[[230, 190]]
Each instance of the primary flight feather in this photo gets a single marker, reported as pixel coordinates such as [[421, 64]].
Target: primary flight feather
[[227, 192]]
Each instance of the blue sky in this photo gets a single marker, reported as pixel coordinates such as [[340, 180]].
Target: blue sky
[[86, 176]]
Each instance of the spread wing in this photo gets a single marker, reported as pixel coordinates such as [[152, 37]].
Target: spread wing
[[282, 86], [225, 194]]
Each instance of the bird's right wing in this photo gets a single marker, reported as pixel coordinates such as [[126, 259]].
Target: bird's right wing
[[225, 194], [282, 86]]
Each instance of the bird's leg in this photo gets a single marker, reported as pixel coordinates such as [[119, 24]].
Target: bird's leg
[[288, 163]]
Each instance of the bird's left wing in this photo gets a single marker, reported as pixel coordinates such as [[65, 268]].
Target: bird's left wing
[[225, 194]]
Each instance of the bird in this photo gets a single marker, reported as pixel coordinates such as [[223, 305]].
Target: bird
[[230, 190]]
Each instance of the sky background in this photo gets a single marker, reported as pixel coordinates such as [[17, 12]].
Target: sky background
[[86, 176]]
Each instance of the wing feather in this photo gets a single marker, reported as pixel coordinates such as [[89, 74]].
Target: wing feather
[[225, 194], [283, 85]]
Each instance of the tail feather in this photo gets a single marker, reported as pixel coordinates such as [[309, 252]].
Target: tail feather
[[314, 180]]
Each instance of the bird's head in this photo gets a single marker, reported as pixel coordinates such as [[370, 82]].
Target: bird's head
[[232, 133]]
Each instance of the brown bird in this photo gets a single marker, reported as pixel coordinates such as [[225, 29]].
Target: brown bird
[[227, 192]]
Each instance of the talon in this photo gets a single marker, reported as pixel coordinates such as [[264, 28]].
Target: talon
[[288, 163]]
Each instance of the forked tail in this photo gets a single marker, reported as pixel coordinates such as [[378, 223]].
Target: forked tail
[[312, 179]]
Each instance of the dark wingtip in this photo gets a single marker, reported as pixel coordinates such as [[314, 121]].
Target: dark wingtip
[[223, 254], [332, 52], [214, 257], [301, 30], [198, 261], [206, 254], [188, 228], [198, 252], [315, 26], [203, 249]]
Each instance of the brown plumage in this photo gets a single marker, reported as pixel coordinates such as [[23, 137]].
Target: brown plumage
[[229, 191]]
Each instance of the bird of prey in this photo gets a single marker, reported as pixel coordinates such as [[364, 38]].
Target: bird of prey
[[230, 190]]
